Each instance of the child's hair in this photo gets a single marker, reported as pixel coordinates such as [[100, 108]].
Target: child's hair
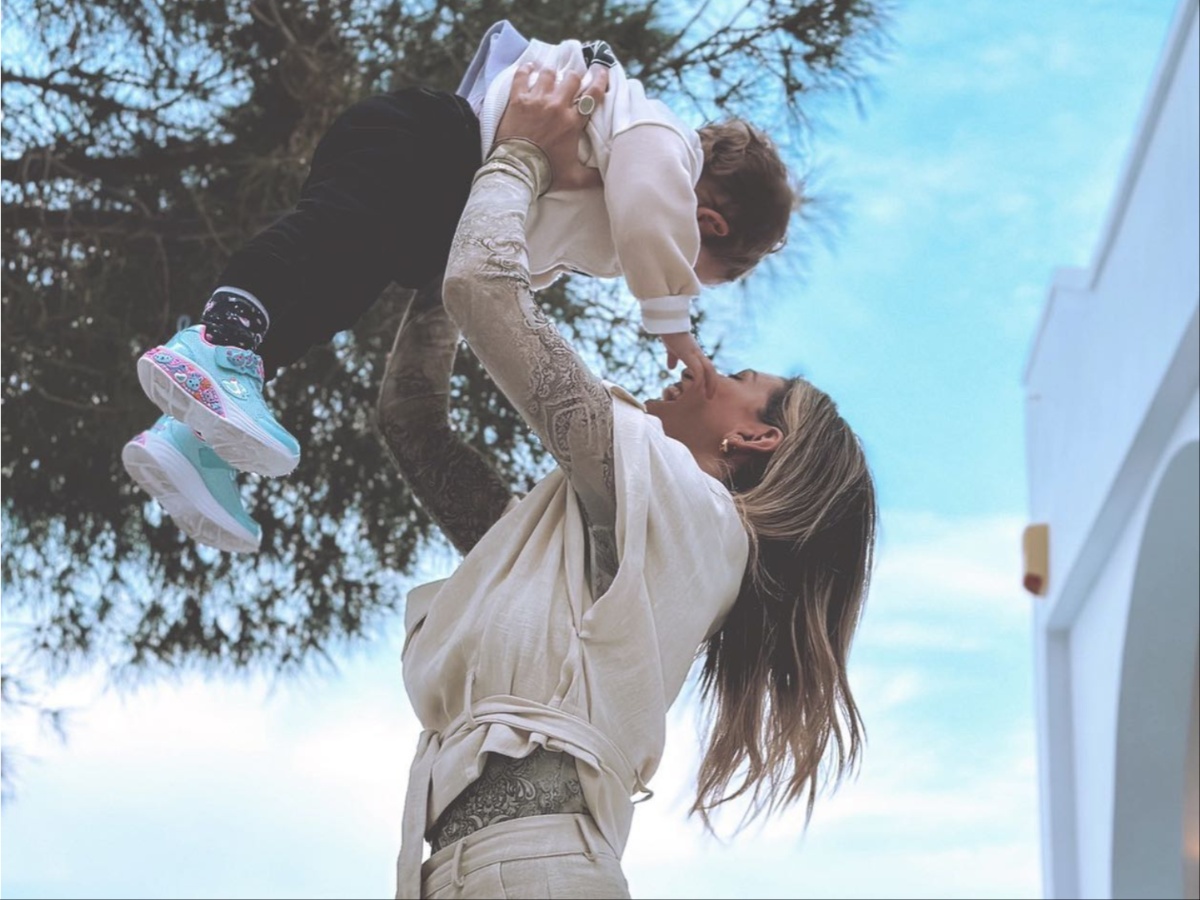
[[749, 185]]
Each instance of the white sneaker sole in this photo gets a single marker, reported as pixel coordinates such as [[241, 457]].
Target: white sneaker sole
[[235, 437], [166, 475]]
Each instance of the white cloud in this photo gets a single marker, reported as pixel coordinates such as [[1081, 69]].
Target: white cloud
[[944, 805], [956, 571], [298, 790], [292, 790], [918, 822]]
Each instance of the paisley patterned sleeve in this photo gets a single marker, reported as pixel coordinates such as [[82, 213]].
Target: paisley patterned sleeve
[[487, 293], [459, 489]]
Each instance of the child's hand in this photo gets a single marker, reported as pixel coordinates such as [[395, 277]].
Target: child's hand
[[682, 347]]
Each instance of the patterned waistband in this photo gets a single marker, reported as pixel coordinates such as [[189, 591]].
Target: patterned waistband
[[542, 783]]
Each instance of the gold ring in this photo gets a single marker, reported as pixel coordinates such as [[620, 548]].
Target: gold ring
[[585, 104]]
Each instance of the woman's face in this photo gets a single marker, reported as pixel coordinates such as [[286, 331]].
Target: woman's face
[[732, 414]]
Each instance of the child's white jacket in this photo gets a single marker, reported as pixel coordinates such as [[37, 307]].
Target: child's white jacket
[[642, 222]]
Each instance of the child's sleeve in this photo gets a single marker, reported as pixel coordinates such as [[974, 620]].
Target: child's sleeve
[[651, 200]]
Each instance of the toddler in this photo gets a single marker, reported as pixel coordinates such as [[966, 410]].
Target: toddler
[[676, 208]]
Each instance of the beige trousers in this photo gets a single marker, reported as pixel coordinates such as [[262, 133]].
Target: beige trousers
[[559, 856]]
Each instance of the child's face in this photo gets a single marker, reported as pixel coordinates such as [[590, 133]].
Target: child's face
[[709, 269]]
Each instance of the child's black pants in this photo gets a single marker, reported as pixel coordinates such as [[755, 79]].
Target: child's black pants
[[382, 200]]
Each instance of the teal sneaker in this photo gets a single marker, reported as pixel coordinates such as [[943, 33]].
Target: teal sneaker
[[196, 487], [217, 391]]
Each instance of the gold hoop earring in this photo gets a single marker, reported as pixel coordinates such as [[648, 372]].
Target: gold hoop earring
[[725, 446]]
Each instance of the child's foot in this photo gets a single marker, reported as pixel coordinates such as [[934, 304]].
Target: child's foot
[[196, 487], [218, 392]]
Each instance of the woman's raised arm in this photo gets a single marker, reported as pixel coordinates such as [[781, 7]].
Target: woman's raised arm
[[458, 488], [487, 293]]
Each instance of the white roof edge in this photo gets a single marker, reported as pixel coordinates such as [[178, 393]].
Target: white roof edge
[[1073, 278], [1169, 60]]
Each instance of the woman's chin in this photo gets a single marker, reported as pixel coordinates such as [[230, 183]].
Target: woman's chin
[[671, 394], [667, 417]]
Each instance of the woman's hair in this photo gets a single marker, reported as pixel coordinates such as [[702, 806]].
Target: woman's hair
[[774, 675], [749, 185]]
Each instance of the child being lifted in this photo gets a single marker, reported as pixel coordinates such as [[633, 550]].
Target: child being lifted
[[670, 208]]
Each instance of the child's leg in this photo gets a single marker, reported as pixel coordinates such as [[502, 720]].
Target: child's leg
[[312, 273], [387, 184], [382, 200], [195, 486]]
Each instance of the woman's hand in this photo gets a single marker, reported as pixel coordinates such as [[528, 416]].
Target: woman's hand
[[544, 109]]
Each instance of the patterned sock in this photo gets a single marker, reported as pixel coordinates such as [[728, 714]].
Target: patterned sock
[[599, 53], [235, 319]]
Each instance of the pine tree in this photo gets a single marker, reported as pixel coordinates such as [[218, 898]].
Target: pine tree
[[142, 142]]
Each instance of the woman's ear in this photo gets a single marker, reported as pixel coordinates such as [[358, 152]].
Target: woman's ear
[[761, 438], [711, 222]]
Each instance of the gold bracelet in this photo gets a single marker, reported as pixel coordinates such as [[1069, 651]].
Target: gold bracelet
[[539, 161]]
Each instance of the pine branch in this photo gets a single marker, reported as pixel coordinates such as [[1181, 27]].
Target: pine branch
[[51, 162]]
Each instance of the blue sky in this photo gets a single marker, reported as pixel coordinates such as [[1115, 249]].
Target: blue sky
[[989, 151]]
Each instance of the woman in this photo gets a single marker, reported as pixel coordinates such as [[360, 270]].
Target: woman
[[542, 670]]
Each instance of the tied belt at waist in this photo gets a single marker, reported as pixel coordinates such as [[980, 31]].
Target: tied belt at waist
[[575, 735]]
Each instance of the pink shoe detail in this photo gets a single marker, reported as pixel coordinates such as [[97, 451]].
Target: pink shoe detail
[[192, 379]]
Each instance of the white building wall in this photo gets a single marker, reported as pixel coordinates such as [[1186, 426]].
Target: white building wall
[[1097, 637], [1097, 643], [1191, 807], [1112, 399], [1158, 666], [1109, 333]]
